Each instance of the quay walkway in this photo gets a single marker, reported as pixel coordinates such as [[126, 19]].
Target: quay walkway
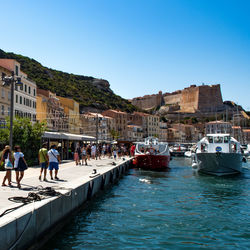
[[23, 227]]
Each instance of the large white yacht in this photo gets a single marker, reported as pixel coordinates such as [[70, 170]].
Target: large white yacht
[[218, 154]]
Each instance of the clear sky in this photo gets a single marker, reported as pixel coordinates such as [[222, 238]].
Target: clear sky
[[139, 46]]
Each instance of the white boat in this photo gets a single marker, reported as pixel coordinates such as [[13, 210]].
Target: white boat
[[218, 154], [177, 150]]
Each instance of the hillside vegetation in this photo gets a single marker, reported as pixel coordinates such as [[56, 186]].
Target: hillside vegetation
[[88, 91]]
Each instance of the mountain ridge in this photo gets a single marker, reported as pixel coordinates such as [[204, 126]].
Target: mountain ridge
[[90, 92]]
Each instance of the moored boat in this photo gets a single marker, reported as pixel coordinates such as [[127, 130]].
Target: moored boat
[[178, 150], [152, 154], [218, 154]]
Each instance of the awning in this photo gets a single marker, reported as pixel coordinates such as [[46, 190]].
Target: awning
[[67, 136]]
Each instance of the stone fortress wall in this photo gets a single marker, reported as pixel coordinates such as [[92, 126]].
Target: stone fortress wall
[[148, 102], [204, 98]]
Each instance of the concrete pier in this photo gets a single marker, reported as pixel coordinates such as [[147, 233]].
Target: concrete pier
[[23, 227]]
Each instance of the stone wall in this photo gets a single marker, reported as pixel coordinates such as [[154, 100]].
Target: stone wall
[[172, 98], [189, 99], [148, 101], [204, 98], [210, 99]]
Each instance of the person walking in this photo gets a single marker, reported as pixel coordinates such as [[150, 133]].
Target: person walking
[[54, 160], [77, 154], [84, 155], [43, 161], [115, 152], [20, 165], [88, 152], [93, 151], [7, 159]]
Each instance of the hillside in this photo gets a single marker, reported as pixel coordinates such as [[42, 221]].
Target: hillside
[[88, 91]]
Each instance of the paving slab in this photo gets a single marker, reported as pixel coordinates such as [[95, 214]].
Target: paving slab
[[69, 175]]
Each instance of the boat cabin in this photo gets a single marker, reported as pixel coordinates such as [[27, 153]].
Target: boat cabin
[[151, 146], [213, 143]]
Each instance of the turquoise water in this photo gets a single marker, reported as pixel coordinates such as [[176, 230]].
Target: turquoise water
[[177, 209]]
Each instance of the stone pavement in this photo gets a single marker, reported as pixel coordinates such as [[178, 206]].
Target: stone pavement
[[68, 173]]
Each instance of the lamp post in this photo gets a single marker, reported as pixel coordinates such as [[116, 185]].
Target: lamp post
[[11, 81]]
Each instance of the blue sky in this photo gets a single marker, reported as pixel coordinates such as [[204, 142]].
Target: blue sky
[[139, 46]]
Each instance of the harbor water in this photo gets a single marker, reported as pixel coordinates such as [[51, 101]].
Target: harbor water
[[177, 209]]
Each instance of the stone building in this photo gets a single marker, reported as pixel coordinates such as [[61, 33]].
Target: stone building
[[204, 98], [49, 109], [24, 95], [148, 102], [121, 119]]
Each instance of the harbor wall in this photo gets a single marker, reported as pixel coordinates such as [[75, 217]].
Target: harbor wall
[[26, 226]]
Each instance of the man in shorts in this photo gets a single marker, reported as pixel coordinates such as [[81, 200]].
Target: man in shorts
[[43, 160], [54, 160]]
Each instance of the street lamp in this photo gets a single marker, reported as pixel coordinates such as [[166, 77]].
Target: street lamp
[[11, 81]]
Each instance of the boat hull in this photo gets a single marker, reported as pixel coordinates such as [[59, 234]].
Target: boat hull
[[152, 162], [219, 163]]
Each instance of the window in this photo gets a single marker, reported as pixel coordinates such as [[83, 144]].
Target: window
[[29, 90], [8, 111], [218, 139], [3, 93], [21, 87], [16, 98], [25, 88], [226, 139], [21, 100], [34, 92], [2, 110], [210, 139], [24, 101], [9, 96]]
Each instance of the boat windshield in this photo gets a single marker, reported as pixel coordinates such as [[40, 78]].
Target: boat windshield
[[210, 139], [226, 139], [218, 139]]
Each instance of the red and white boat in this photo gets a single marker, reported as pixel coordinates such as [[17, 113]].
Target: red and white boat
[[152, 154]]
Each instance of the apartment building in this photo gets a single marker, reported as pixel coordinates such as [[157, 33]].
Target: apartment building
[[25, 94], [120, 119], [163, 131], [135, 133], [220, 127], [92, 123], [71, 108], [49, 109], [5, 97]]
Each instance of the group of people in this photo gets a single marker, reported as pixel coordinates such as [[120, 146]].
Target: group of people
[[50, 159], [16, 161], [86, 152]]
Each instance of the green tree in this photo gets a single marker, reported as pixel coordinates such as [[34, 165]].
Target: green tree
[[114, 134], [25, 134]]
